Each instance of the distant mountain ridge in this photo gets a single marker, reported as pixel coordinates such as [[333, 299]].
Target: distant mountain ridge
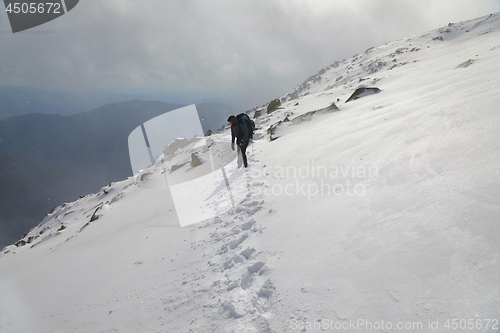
[[17, 101]]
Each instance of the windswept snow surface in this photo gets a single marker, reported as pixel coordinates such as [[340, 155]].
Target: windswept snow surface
[[380, 217]]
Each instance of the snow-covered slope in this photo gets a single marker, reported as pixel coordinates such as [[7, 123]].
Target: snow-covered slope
[[379, 217]]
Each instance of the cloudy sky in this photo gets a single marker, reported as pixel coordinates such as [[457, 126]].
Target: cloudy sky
[[247, 51]]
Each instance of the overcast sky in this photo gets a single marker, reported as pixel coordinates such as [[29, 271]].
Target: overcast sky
[[250, 51]]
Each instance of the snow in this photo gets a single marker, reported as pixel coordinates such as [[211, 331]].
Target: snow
[[385, 212]]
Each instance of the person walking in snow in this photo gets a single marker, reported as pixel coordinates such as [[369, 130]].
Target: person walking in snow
[[239, 132]]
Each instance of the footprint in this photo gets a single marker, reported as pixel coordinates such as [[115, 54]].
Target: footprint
[[250, 207], [247, 225], [255, 267], [267, 289], [248, 277], [246, 281], [232, 311], [264, 300], [235, 243], [247, 253], [233, 261]]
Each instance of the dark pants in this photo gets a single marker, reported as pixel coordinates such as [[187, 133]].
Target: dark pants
[[242, 155]]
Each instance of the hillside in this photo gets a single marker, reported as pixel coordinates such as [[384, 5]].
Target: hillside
[[381, 216]]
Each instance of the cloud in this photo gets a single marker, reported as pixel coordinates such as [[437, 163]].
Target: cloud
[[254, 50]]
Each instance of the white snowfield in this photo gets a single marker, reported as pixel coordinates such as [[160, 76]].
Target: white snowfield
[[380, 217]]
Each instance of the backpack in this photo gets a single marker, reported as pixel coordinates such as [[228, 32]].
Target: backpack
[[244, 119]]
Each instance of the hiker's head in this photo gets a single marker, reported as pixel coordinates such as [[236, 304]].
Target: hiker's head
[[232, 120]]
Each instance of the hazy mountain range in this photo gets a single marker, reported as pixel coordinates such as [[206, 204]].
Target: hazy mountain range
[[16, 101]]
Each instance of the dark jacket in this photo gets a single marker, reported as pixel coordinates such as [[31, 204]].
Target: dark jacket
[[238, 131]]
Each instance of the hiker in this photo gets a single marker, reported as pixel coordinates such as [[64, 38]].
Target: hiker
[[242, 135]]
